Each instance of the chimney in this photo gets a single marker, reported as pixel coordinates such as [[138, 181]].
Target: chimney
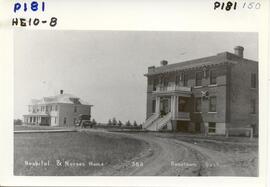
[[163, 63], [239, 51], [61, 91]]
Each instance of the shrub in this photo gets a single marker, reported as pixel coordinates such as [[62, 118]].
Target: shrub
[[94, 122], [17, 122]]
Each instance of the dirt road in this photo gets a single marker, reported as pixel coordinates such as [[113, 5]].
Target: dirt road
[[173, 157]]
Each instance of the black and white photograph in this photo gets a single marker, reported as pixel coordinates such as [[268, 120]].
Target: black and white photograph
[[136, 103]]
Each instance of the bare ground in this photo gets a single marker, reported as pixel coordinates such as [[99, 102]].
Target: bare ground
[[178, 155]]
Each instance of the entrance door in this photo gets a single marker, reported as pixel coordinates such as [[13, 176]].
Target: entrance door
[[165, 106], [198, 127]]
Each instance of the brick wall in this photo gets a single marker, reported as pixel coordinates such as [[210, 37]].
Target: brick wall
[[241, 94]]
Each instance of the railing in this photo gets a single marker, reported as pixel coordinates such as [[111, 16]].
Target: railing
[[172, 88], [182, 115], [163, 121], [150, 120]]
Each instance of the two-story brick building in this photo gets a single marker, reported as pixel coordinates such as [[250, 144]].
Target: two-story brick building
[[206, 95], [60, 110]]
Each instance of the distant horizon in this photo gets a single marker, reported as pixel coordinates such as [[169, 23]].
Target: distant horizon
[[106, 68]]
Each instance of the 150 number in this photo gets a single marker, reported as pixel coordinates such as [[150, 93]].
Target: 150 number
[[252, 5]]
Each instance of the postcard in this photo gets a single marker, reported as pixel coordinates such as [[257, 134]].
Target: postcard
[[125, 93]]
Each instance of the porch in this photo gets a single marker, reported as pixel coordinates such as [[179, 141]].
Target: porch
[[178, 105], [37, 119]]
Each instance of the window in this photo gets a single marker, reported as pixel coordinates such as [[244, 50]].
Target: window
[[56, 107], [177, 80], [253, 106], [199, 76], [165, 82], [185, 79], [212, 103], [75, 108], [198, 104], [155, 83], [55, 118], [46, 108], [65, 120], [211, 127], [51, 108], [182, 103], [213, 77], [153, 106], [253, 80]]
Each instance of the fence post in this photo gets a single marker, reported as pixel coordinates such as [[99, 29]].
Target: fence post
[[227, 133], [205, 130], [251, 133]]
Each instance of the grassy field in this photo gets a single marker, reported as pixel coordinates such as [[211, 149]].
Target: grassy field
[[35, 127], [75, 148]]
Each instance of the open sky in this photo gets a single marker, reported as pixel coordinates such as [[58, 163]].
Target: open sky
[[106, 68]]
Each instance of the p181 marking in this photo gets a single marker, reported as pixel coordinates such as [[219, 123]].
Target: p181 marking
[[225, 5], [229, 5], [33, 6]]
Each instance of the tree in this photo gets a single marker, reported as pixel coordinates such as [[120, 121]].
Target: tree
[[114, 122], [110, 122], [135, 124], [128, 123], [120, 123], [17, 122], [94, 122]]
